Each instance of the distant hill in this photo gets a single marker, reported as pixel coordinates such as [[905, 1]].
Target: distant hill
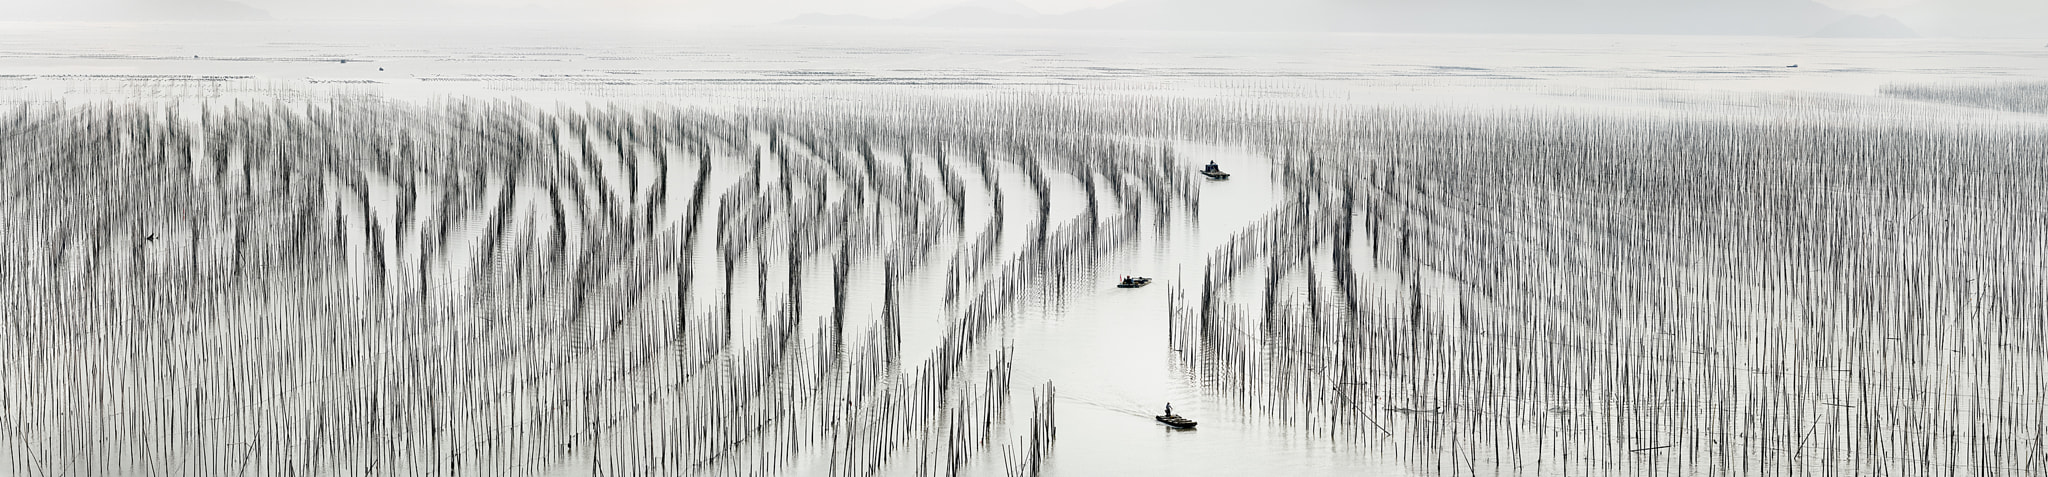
[[827, 19], [1976, 18], [1693, 17], [1007, 7], [979, 16], [1862, 26]]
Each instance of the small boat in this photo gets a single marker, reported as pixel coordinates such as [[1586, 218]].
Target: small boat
[[1176, 421], [1134, 282], [1214, 172]]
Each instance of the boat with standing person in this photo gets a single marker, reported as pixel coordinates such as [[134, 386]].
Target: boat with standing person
[[1174, 420]]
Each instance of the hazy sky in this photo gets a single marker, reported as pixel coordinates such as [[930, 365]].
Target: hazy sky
[[1935, 17]]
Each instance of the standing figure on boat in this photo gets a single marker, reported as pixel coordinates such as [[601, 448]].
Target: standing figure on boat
[[1173, 420]]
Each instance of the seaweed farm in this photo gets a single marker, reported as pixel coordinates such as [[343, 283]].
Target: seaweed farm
[[557, 272]]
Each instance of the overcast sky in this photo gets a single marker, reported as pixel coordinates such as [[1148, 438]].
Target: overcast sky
[[2021, 18]]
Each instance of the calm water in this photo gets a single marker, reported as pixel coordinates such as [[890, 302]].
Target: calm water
[[632, 61]]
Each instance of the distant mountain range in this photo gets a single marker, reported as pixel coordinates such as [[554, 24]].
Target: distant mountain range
[[1696, 17], [1867, 26]]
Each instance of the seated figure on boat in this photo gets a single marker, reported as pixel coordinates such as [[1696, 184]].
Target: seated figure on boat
[[1214, 172]]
